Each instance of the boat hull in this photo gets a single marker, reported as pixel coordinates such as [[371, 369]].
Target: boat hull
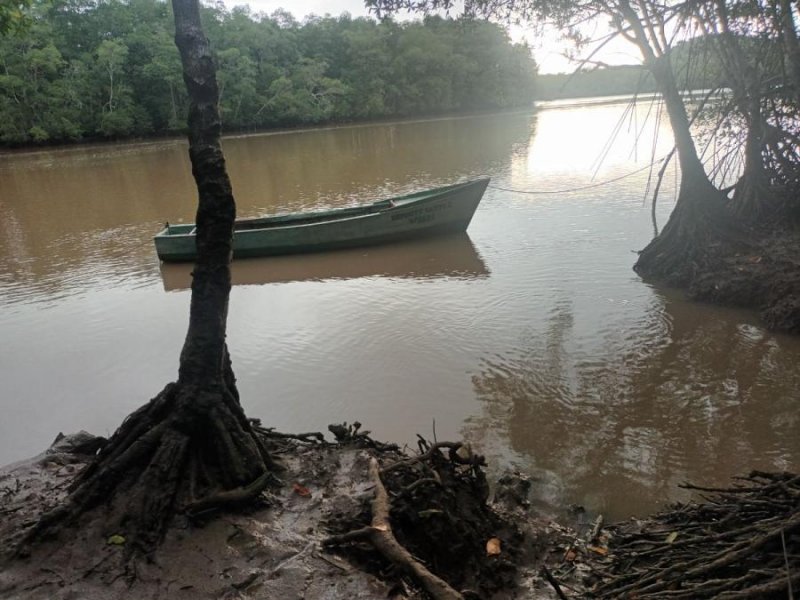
[[433, 212]]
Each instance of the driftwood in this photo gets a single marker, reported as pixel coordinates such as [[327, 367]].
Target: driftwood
[[379, 534], [738, 542]]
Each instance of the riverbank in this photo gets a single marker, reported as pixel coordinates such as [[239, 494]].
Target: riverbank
[[534, 341], [294, 542], [322, 532], [736, 542], [179, 136], [765, 277]]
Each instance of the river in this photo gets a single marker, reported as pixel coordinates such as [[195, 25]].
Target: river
[[531, 336]]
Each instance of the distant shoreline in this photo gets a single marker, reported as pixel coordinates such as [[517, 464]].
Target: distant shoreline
[[178, 137]]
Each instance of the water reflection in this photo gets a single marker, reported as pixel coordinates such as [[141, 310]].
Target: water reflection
[[83, 218], [451, 256], [562, 362], [80, 215], [685, 393], [90, 334], [353, 165]]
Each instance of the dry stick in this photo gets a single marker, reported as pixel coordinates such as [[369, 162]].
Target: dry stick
[[310, 437], [648, 577], [552, 581], [380, 535], [708, 589], [453, 446], [786, 562], [754, 545], [598, 525], [472, 460], [743, 490], [705, 565], [759, 591], [420, 482], [705, 540]]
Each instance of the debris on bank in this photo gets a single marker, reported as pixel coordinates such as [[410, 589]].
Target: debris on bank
[[733, 543], [357, 518], [320, 533]]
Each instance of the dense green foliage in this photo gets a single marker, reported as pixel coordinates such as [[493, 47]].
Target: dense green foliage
[[109, 68], [12, 15]]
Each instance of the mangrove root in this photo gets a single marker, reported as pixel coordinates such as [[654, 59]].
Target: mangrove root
[[189, 450]]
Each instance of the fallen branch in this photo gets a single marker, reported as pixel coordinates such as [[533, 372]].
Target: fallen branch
[[738, 542], [453, 454], [350, 434], [379, 534], [552, 581]]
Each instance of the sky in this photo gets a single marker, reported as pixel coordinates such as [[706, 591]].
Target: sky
[[548, 49]]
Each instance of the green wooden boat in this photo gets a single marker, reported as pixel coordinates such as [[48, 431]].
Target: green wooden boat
[[431, 212]]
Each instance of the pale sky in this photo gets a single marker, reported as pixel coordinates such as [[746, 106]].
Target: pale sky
[[547, 49]]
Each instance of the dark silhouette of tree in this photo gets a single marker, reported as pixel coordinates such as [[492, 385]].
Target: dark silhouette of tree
[[708, 222], [191, 448], [700, 210]]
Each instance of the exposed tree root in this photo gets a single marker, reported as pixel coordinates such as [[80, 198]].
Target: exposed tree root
[[698, 232], [715, 251], [380, 535], [188, 450], [742, 542], [227, 498], [443, 525]]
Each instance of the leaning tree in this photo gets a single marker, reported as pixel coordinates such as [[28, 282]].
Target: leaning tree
[[654, 27], [752, 41], [191, 448], [700, 218]]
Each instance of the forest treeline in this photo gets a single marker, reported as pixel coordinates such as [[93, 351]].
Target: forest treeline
[[86, 69], [609, 81], [695, 63]]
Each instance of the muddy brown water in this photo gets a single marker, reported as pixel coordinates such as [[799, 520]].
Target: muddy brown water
[[530, 336]]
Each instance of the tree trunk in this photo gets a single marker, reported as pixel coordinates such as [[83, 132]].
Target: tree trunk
[[676, 253], [191, 449], [699, 213], [791, 44], [203, 351], [751, 193], [752, 197], [691, 166], [659, 65]]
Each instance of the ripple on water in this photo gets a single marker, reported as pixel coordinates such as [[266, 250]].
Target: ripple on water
[[534, 337]]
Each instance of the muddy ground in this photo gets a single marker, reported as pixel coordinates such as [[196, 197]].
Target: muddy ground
[[482, 539], [765, 276]]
